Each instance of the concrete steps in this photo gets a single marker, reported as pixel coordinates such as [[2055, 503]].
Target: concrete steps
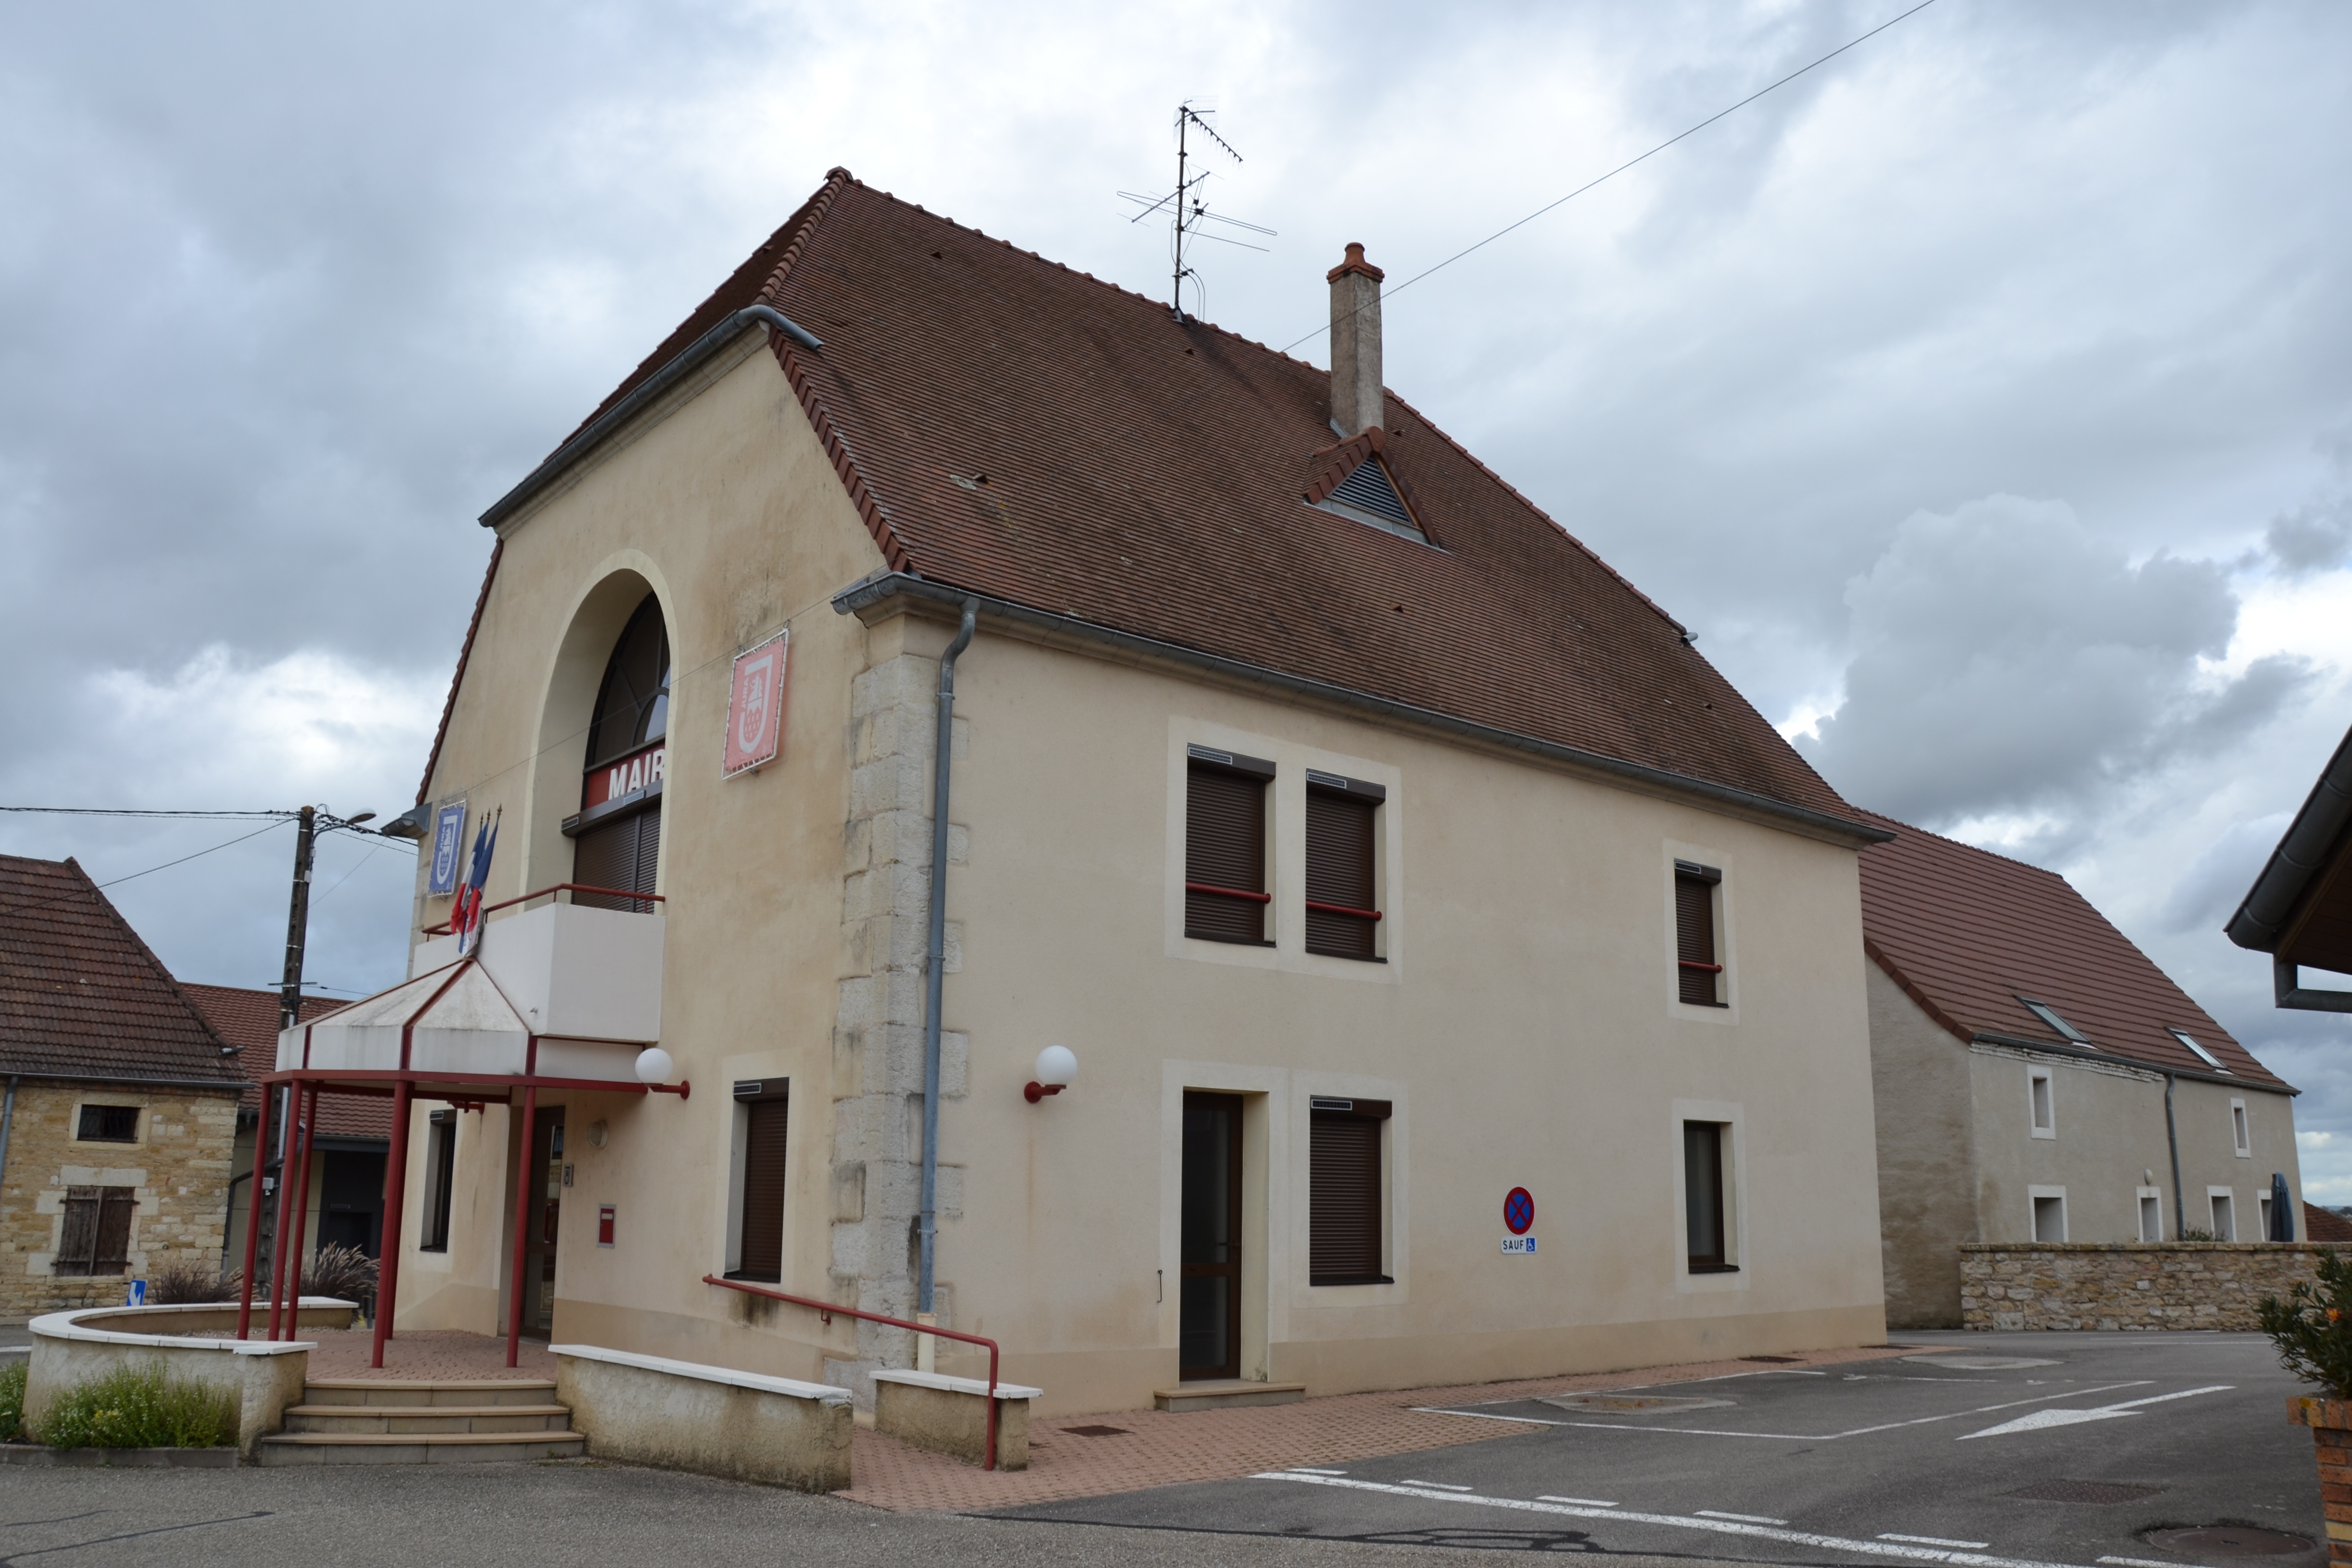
[[364, 1421], [1227, 1394]]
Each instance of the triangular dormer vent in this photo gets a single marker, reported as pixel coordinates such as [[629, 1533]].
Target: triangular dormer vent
[[1368, 495]]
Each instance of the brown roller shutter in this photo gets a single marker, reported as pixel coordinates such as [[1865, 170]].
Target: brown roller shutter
[[1339, 874], [646, 871], [762, 1250], [77, 1240], [1225, 847], [1343, 1199], [1695, 966]]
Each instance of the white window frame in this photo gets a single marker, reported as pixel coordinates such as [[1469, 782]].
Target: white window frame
[[1732, 1116], [2034, 1198], [2263, 1210], [2230, 1197], [2241, 1128], [2202, 1055], [2040, 1079], [2146, 1196]]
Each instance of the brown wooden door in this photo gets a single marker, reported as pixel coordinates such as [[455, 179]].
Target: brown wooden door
[[1208, 1337]]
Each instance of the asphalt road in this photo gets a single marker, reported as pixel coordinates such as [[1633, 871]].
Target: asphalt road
[[1892, 1462], [568, 1514]]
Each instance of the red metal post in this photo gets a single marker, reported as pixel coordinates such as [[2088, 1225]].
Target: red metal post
[[306, 1123], [285, 1199], [253, 1214], [395, 1193], [525, 1180]]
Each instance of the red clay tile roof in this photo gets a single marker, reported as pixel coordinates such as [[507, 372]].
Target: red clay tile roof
[[249, 1019], [2324, 1225], [1011, 427], [82, 998], [1966, 933]]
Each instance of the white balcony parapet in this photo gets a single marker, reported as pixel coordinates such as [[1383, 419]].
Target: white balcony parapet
[[585, 982]]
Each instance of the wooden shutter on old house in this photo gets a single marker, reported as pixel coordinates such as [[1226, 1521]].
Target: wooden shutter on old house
[[1225, 895], [1344, 1193], [95, 1237], [761, 1250], [1697, 971], [1342, 892]]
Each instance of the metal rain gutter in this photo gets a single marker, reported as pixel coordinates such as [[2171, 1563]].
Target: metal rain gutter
[[935, 956], [2262, 918], [1818, 823], [644, 393]]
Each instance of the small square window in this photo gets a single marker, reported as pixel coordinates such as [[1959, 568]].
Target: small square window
[[2050, 1217], [108, 1124], [2049, 1015], [2225, 1222], [2241, 1134], [2044, 1112], [2208, 1058], [2151, 1215]]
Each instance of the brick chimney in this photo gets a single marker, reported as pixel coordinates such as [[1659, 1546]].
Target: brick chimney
[[1356, 402]]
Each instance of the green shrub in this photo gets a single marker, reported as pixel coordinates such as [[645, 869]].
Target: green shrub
[[2312, 1327], [2194, 1234], [12, 1397], [139, 1407]]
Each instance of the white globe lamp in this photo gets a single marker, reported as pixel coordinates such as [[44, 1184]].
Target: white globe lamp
[[654, 1065], [1055, 1068]]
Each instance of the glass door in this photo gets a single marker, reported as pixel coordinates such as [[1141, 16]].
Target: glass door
[[1209, 1340]]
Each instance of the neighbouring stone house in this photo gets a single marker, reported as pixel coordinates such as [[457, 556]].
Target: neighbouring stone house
[[2038, 1079], [1463, 980], [121, 1100]]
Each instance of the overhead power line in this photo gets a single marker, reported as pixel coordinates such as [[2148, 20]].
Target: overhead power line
[[1629, 163], [121, 811]]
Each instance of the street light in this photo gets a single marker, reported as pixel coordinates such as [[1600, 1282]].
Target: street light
[[1055, 1068]]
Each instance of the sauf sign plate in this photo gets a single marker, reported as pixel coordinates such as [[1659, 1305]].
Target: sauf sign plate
[[755, 707]]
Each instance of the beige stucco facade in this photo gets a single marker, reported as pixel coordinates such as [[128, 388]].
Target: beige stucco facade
[[1961, 1159], [177, 1169], [1524, 1025]]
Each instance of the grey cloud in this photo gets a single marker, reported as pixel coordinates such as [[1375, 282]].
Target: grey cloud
[[2312, 538], [2007, 661]]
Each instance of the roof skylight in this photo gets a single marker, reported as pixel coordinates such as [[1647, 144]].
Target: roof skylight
[[2208, 1058], [2048, 1014], [1368, 495]]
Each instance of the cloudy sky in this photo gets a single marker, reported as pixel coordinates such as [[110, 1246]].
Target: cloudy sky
[[1984, 398]]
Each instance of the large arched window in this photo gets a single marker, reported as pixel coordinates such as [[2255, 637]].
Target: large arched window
[[619, 825]]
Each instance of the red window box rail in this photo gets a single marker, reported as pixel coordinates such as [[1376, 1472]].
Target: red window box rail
[[1342, 909], [549, 891], [1228, 892]]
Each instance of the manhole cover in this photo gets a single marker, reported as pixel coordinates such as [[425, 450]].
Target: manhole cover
[[1096, 1431], [1630, 1404], [1981, 1363], [2228, 1540], [2083, 1492]]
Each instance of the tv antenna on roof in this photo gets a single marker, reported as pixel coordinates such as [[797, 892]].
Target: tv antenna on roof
[[1190, 211]]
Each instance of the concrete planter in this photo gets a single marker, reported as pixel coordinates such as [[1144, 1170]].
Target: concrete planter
[[2330, 1421], [262, 1377], [39, 1455]]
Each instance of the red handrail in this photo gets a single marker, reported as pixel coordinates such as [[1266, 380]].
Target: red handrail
[[1343, 909], [443, 929], [1695, 963], [1229, 893], [826, 1310]]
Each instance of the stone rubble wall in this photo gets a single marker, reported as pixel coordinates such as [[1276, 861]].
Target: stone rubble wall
[[2126, 1286]]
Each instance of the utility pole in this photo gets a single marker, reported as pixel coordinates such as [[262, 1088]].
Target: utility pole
[[298, 918]]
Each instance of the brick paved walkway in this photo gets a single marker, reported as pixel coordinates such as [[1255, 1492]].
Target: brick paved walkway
[[1157, 1448], [424, 1353]]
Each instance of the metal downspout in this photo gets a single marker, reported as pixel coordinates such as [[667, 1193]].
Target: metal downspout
[[8, 1120], [2172, 1140], [935, 956]]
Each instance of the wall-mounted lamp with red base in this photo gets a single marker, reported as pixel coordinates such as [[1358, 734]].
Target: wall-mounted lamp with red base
[[1055, 1068]]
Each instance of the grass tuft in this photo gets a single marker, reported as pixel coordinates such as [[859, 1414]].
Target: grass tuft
[[139, 1407]]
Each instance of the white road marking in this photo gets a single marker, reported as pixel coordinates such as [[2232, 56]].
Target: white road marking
[[1742, 1518], [1937, 1540], [1583, 1502], [2041, 1420], [1897, 1550], [2136, 1563], [1311, 1470], [1482, 1416], [1791, 1437], [1441, 1486]]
